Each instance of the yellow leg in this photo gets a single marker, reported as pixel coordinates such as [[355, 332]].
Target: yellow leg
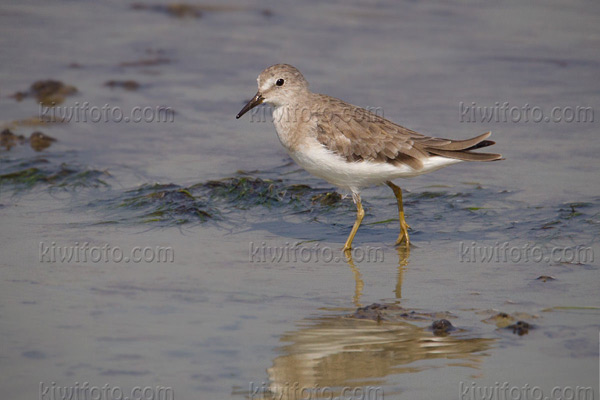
[[403, 225], [360, 214]]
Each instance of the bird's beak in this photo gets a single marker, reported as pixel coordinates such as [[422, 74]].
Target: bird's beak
[[256, 100]]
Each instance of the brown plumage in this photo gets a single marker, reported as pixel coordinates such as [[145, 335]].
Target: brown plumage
[[343, 132]]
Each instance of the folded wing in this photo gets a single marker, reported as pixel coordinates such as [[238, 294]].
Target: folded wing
[[358, 134]]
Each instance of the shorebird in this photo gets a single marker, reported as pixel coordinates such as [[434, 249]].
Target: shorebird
[[351, 147]]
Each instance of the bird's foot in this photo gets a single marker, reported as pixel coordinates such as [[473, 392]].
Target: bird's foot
[[403, 237]]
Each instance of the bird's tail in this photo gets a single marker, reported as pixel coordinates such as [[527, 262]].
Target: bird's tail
[[462, 149]]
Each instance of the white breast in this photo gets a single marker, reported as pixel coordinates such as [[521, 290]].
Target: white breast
[[284, 127]]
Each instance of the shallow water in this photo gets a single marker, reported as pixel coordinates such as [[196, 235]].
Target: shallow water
[[257, 301]]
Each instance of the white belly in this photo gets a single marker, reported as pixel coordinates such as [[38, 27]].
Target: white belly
[[353, 176]]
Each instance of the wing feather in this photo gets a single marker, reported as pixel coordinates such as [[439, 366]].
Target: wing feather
[[358, 134]]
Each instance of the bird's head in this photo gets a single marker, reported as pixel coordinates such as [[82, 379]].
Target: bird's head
[[278, 85]]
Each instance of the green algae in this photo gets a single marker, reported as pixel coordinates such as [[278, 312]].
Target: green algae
[[219, 200], [248, 191], [31, 173], [165, 203]]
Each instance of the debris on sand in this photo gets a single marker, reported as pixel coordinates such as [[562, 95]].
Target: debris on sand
[[516, 321], [38, 140], [48, 92], [502, 320], [178, 10], [127, 85], [146, 62], [326, 199], [392, 312], [8, 140], [520, 328], [186, 10], [442, 327], [545, 278]]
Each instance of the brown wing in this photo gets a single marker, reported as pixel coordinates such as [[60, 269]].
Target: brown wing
[[358, 134]]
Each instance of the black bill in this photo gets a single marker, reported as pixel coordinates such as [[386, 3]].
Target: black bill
[[256, 100]]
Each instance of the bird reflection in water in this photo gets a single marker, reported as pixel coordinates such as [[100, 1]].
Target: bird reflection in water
[[329, 354], [403, 254]]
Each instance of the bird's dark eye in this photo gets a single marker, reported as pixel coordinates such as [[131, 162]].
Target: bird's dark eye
[[279, 82]]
